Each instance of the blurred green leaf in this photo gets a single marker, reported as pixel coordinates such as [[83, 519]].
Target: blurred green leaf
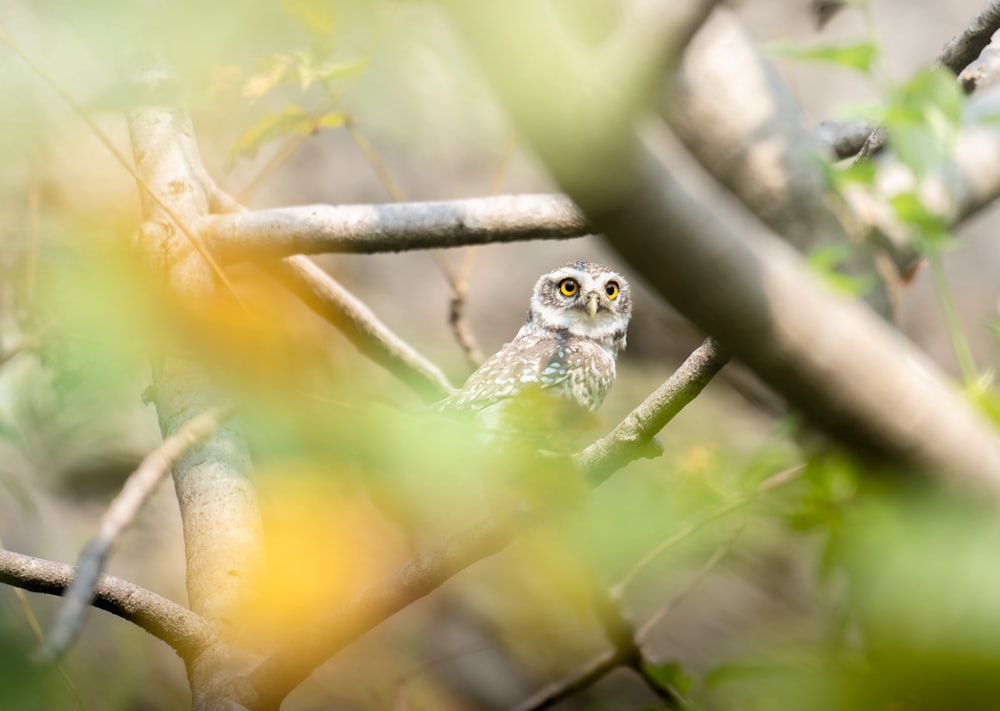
[[669, 676], [826, 263], [922, 120], [859, 56], [931, 231], [291, 120]]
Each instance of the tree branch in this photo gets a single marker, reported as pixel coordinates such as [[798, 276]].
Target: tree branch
[[371, 229], [183, 630], [289, 666], [964, 47], [321, 292]]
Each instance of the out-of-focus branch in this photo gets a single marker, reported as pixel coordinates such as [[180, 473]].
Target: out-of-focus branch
[[370, 229], [121, 514], [182, 629], [361, 326], [743, 124], [845, 138], [719, 266], [957, 54], [964, 47], [285, 669]]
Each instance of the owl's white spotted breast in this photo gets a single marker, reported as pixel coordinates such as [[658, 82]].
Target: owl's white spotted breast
[[570, 367]]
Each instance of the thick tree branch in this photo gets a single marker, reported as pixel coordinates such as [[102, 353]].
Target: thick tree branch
[[288, 667], [361, 326], [182, 629], [738, 118], [833, 359], [370, 229], [221, 521]]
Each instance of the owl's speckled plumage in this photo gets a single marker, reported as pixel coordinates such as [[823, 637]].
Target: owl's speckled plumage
[[565, 351]]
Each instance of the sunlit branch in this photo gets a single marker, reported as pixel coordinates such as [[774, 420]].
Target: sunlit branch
[[121, 513], [178, 626], [393, 227]]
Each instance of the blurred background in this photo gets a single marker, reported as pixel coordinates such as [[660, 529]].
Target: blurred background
[[302, 102]]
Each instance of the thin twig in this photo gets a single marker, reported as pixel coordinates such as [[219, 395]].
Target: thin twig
[[582, 679], [121, 513], [720, 552], [633, 437], [362, 327]]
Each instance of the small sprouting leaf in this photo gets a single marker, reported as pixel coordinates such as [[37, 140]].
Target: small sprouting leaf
[[826, 262], [930, 228], [311, 70], [669, 676], [922, 120], [292, 120], [260, 84], [859, 56]]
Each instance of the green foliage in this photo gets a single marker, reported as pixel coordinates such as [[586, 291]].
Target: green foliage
[[827, 262], [858, 56]]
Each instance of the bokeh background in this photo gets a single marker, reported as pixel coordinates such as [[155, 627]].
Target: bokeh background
[[72, 423]]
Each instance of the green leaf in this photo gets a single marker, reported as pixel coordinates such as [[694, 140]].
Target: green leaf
[[859, 56], [292, 120], [826, 262], [311, 70], [260, 84], [669, 676], [930, 230]]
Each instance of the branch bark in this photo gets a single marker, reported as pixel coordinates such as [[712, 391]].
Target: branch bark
[[185, 631], [371, 229], [221, 521]]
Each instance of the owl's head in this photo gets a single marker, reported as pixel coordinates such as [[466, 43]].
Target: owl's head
[[584, 298]]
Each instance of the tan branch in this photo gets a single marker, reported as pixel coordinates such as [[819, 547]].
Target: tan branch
[[182, 629], [394, 227]]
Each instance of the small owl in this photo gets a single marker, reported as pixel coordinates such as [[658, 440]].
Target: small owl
[[563, 358]]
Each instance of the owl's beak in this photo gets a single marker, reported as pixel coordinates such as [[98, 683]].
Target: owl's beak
[[592, 305]]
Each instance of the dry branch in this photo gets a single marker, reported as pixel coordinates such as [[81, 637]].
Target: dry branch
[[370, 229], [182, 629]]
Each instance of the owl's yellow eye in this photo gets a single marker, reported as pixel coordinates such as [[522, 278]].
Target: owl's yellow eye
[[611, 290], [568, 287]]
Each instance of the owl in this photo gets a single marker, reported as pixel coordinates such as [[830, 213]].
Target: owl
[[561, 363]]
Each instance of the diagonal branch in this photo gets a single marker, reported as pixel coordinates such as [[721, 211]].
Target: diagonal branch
[[120, 515], [371, 229], [289, 666], [176, 625], [321, 292]]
